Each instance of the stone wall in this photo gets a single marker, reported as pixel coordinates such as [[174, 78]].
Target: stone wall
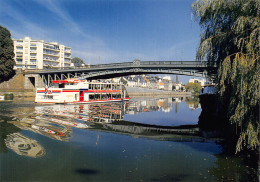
[[21, 84], [14, 84]]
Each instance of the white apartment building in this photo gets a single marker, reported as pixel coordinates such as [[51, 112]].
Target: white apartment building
[[37, 54]]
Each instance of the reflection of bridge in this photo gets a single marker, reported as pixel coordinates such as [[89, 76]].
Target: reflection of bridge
[[102, 71]]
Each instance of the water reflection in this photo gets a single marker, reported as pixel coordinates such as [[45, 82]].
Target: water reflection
[[102, 143], [56, 122], [23, 145], [5, 130], [44, 127], [161, 104]]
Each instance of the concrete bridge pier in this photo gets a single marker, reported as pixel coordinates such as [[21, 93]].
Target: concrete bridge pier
[[33, 81], [22, 84]]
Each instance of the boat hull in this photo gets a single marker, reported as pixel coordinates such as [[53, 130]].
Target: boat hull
[[85, 102]]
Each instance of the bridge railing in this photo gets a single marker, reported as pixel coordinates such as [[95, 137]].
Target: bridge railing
[[137, 64]]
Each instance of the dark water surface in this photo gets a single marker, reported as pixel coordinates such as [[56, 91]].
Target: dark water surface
[[132, 141]]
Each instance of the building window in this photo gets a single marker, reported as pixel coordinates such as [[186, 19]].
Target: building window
[[19, 61]]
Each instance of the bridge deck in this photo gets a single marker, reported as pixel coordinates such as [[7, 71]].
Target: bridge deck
[[102, 71]]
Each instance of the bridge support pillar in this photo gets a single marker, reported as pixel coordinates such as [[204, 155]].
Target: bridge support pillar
[[32, 81]]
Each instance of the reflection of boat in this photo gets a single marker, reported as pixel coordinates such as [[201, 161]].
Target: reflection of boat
[[81, 91], [76, 115], [44, 128], [23, 145], [68, 123]]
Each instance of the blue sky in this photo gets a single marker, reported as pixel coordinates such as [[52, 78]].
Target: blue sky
[[105, 31]]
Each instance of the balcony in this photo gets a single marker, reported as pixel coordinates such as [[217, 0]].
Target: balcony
[[31, 63], [67, 56], [51, 48], [50, 59], [49, 65], [19, 55], [19, 50], [48, 52]]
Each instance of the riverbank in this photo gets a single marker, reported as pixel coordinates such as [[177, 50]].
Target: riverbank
[[19, 93], [137, 91], [132, 91]]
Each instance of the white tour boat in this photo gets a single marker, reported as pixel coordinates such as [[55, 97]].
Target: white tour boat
[[81, 91]]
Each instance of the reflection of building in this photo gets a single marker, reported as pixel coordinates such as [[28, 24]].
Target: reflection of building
[[37, 54], [23, 145], [149, 105]]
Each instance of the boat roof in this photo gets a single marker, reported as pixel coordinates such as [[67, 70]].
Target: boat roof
[[78, 81]]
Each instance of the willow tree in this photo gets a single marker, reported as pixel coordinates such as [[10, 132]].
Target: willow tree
[[230, 38]]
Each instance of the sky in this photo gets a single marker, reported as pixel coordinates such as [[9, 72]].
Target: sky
[[108, 31]]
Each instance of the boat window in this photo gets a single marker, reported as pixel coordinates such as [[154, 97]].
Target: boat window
[[62, 85], [91, 97], [97, 96]]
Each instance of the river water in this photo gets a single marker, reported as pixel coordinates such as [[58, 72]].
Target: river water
[[145, 139]]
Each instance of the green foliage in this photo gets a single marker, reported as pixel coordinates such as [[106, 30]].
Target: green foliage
[[227, 27], [230, 38], [242, 76], [6, 55], [193, 87], [77, 61]]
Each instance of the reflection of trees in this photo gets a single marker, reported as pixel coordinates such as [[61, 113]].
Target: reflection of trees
[[5, 129], [233, 169], [192, 102], [23, 145]]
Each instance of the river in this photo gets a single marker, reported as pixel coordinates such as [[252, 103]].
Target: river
[[145, 139]]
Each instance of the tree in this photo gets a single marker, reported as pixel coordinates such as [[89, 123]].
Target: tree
[[230, 38], [193, 87], [77, 61], [6, 55]]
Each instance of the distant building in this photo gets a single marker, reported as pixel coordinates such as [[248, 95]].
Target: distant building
[[167, 78], [147, 81], [160, 85], [37, 54]]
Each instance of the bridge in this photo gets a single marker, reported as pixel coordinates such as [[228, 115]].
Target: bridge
[[104, 71]]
